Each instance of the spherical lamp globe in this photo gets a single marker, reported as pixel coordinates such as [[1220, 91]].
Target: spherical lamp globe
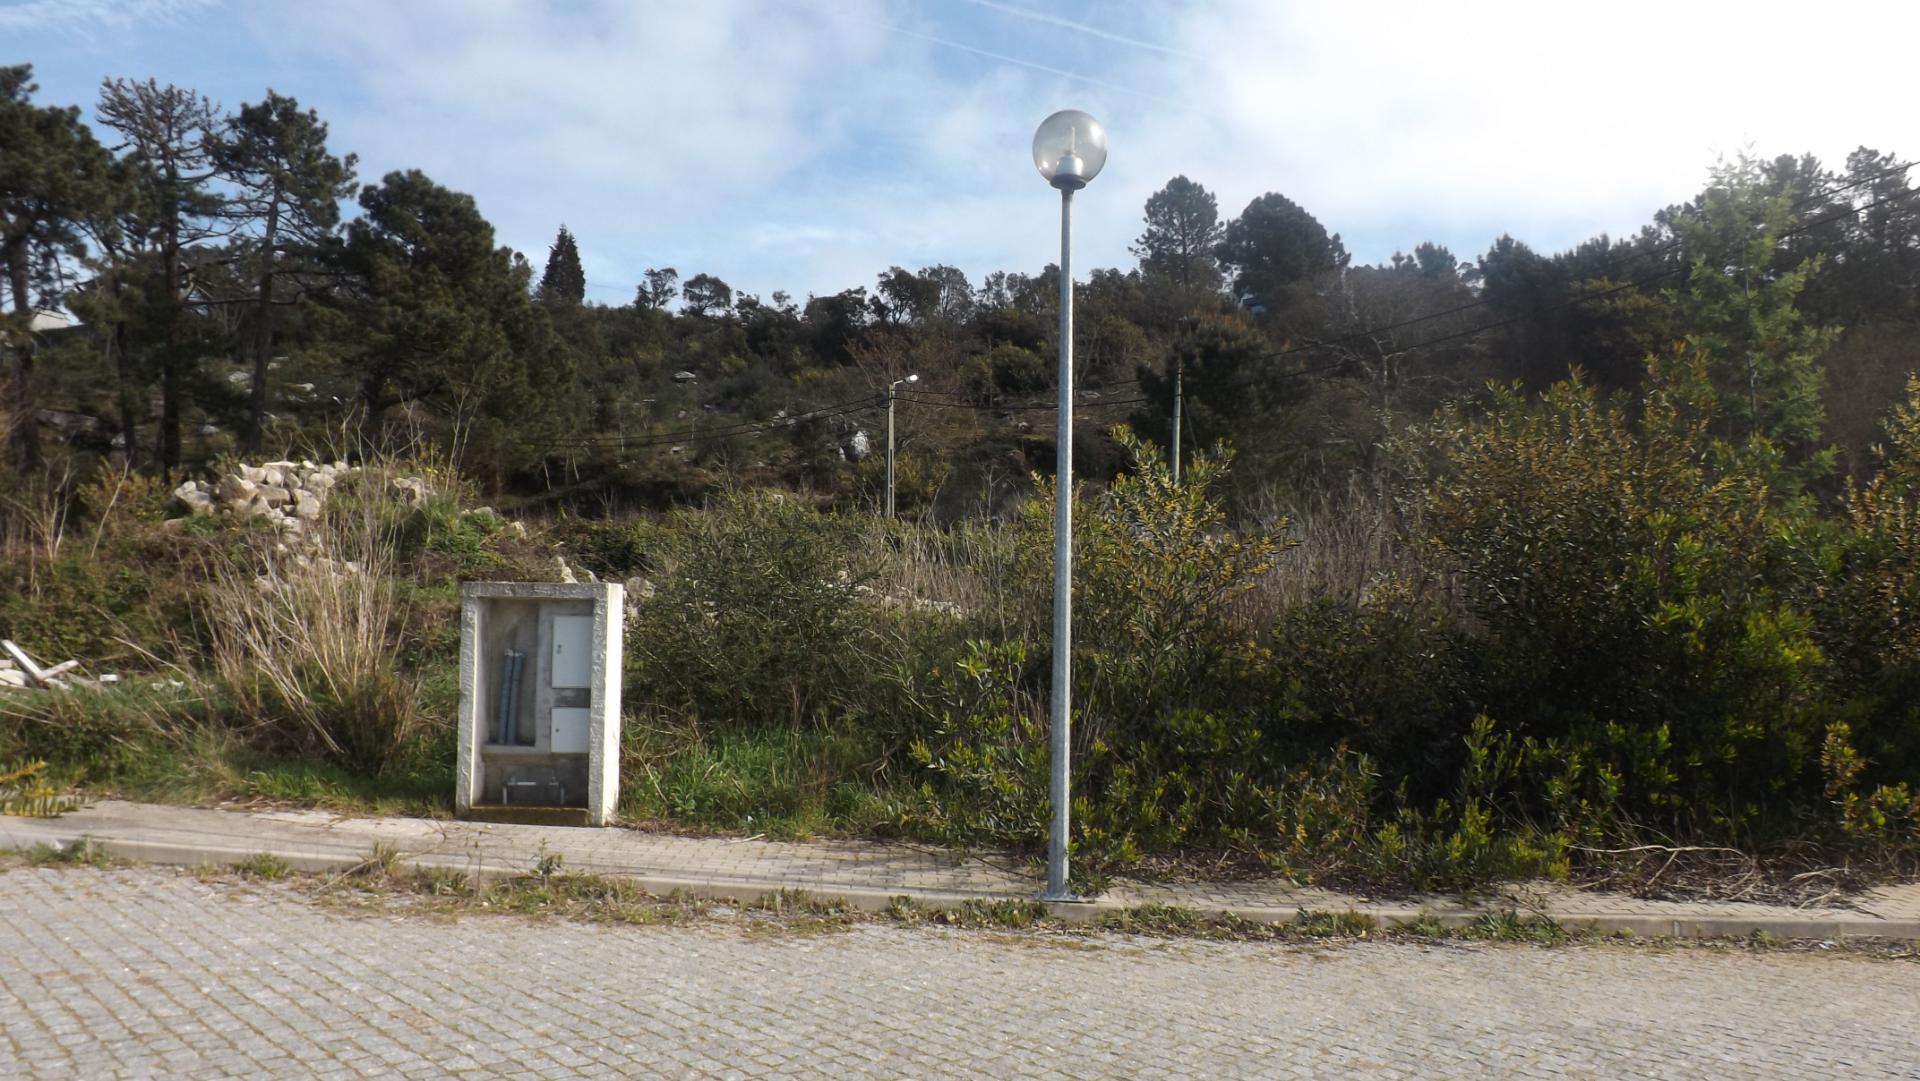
[[1069, 149]]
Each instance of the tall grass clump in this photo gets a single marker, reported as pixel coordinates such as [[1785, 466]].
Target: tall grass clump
[[307, 633]]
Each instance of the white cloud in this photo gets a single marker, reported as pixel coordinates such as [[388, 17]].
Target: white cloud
[[809, 145], [87, 17]]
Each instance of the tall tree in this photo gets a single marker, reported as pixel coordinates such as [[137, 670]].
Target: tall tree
[[169, 140], [1183, 231], [564, 282], [1764, 355], [1273, 244], [706, 295], [445, 319], [286, 194], [53, 177], [659, 288]]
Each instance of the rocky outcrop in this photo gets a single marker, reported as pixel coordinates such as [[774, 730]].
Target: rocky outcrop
[[288, 494]]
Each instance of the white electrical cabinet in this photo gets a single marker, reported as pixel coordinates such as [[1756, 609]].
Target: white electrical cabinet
[[539, 700], [570, 727], [573, 651]]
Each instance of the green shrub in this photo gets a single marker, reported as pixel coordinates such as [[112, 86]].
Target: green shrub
[[761, 615], [1392, 676], [1157, 573], [1869, 629], [1632, 571], [980, 746]]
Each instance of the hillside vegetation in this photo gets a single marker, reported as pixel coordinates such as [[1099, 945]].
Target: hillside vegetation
[[1597, 564]]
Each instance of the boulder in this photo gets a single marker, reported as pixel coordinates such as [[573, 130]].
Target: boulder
[[194, 496], [274, 495], [236, 490], [306, 506]]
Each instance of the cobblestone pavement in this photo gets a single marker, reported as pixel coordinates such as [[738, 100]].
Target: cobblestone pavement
[[745, 866], [152, 973]]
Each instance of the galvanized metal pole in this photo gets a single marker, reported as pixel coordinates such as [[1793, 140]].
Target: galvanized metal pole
[[1179, 373], [1060, 716], [890, 394]]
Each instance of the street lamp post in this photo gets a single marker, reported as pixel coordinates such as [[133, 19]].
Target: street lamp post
[[1069, 149], [891, 389]]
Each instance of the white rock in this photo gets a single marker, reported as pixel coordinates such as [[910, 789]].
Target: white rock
[[274, 495], [12, 678], [238, 489], [306, 506]]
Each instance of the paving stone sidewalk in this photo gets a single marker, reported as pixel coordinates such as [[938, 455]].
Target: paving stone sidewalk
[[147, 974], [867, 873]]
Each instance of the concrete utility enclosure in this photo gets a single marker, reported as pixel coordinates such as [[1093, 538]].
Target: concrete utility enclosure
[[539, 700]]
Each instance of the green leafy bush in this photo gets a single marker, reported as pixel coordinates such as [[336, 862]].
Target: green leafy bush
[[1632, 571], [761, 615]]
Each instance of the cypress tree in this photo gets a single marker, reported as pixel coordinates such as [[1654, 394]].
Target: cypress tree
[[564, 282]]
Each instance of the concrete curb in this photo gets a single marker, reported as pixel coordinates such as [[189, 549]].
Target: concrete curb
[[1824, 927]]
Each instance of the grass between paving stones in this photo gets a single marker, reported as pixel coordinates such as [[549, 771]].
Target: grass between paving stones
[[84, 852], [381, 885]]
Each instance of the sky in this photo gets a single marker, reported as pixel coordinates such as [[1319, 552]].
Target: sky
[[808, 145]]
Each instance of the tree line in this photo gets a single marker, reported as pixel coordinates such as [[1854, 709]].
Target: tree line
[[239, 289]]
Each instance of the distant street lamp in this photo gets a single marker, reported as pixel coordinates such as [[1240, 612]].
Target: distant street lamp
[[1069, 149], [891, 389]]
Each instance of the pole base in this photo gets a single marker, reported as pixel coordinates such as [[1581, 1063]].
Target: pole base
[[1066, 899]]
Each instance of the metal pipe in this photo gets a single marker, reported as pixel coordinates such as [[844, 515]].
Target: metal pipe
[[1062, 705], [890, 396], [503, 716], [510, 715], [1179, 374]]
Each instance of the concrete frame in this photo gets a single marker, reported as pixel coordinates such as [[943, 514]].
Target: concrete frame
[[478, 691]]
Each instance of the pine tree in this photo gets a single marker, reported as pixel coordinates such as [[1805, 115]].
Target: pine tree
[[168, 137], [1183, 229], [288, 189], [1275, 243], [1765, 355], [53, 177], [564, 282]]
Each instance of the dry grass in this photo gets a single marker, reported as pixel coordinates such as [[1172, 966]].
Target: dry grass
[[35, 512], [972, 568], [304, 637]]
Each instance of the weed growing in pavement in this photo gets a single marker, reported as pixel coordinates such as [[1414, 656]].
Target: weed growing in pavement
[[547, 864], [449, 893], [382, 862], [264, 866], [83, 852]]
